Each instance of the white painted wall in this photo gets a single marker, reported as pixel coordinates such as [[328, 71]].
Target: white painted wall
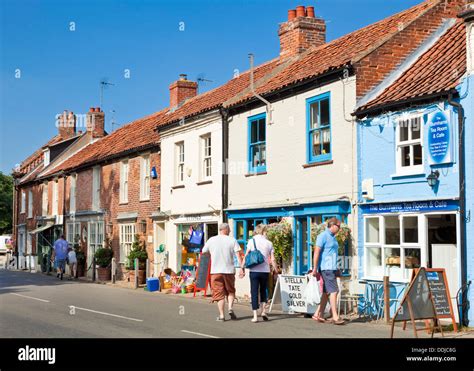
[[286, 180], [193, 199]]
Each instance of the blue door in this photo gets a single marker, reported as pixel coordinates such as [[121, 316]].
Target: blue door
[[303, 246]]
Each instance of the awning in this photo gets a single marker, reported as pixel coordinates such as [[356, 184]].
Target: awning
[[42, 228]]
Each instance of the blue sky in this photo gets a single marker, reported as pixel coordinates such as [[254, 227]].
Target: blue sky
[[63, 49]]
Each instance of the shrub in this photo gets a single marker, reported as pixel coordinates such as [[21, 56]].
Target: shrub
[[103, 257], [281, 236]]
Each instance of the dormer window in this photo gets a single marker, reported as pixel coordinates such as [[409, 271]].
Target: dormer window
[[46, 157]]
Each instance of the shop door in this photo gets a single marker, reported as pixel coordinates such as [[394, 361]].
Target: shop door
[[443, 250], [302, 246], [160, 262]]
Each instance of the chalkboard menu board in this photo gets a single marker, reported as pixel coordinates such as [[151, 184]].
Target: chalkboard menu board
[[418, 296], [439, 290], [202, 276]]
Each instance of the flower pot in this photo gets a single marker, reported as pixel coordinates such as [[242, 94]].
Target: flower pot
[[104, 274], [141, 276], [80, 270]]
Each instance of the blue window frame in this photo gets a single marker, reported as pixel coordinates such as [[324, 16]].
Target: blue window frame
[[318, 118], [257, 150]]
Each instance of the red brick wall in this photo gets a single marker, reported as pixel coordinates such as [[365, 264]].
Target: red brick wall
[[83, 190], [373, 68], [300, 34]]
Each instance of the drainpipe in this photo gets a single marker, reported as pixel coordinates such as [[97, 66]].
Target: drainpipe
[[225, 158], [64, 175], [15, 219], [462, 199], [252, 89]]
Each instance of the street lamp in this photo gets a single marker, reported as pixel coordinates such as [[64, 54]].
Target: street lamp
[[432, 179]]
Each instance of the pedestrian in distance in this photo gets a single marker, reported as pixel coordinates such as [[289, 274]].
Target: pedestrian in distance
[[259, 274], [325, 263], [72, 261], [222, 249], [60, 252]]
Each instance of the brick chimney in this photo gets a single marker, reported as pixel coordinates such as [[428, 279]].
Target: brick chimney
[[67, 125], [96, 122], [181, 90], [302, 31]]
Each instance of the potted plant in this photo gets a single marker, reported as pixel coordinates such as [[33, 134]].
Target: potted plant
[[103, 259], [281, 236], [138, 251]]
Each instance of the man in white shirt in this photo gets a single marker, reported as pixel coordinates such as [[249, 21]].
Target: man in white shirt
[[223, 248]]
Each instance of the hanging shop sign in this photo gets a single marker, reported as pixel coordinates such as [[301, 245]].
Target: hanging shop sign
[[413, 206], [440, 140]]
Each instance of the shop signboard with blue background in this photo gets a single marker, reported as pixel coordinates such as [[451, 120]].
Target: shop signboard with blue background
[[440, 138]]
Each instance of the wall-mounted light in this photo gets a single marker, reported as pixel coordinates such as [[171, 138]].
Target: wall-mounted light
[[432, 179]]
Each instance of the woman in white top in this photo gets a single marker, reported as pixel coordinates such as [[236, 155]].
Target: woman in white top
[[259, 273]]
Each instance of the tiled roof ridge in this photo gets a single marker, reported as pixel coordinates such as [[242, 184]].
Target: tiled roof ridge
[[34, 156], [455, 37]]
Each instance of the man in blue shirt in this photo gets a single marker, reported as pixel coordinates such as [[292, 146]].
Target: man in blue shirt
[[59, 255], [325, 263]]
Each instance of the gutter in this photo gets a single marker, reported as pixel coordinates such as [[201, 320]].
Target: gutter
[[462, 200], [225, 162]]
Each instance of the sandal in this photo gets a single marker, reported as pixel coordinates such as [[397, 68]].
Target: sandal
[[339, 322], [232, 314], [264, 316], [220, 319], [319, 319]]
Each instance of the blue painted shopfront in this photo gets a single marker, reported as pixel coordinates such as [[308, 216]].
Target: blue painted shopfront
[[408, 176], [302, 217]]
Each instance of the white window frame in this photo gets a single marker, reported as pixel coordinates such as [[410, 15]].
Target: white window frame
[[96, 172], [72, 194], [23, 202], [44, 199], [145, 177], [206, 156], [412, 169], [95, 240], [29, 244], [179, 161], [126, 238], [55, 198], [30, 203], [124, 173], [401, 274], [72, 229]]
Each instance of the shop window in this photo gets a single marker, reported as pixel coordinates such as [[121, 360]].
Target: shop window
[[372, 230], [395, 251], [257, 143], [409, 156], [319, 128], [410, 229]]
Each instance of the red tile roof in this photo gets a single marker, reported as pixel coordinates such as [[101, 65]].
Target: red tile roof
[[438, 70], [270, 76], [35, 159], [340, 52]]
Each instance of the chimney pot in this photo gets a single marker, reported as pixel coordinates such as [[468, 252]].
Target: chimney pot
[[291, 14], [183, 77], [300, 11], [310, 11]]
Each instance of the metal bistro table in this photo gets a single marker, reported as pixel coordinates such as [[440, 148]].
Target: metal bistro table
[[372, 301]]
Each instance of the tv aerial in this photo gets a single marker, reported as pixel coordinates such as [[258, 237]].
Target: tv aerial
[[103, 84], [201, 78]]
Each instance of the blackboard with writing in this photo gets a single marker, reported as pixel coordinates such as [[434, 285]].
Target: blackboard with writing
[[202, 276], [418, 296], [438, 288]]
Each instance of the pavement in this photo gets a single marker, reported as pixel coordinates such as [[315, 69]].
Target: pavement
[[35, 305]]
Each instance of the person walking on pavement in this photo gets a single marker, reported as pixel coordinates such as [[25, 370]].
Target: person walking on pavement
[[72, 261], [59, 255], [259, 274], [325, 267], [222, 249]]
